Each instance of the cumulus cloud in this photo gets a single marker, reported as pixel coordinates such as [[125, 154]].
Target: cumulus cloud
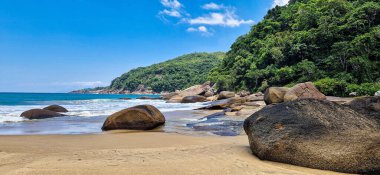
[[172, 13], [201, 29], [173, 8], [171, 4], [279, 3], [213, 6], [228, 18], [198, 29], [214, 15], [192, 29]]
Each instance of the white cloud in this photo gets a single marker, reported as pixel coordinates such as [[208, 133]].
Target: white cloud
[[201, 29], [213, 6], [173, 9], [198, 29], [279, 3], [191, 29], [227, 18], [215, 15], [174, 4], [172, 13]]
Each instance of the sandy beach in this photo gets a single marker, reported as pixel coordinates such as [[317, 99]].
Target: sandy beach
[[135, 153]]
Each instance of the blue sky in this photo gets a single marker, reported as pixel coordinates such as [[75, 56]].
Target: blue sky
[[62, 45]]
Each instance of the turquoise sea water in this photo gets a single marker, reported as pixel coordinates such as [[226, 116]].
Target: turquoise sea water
[[87, 112], [42, 98]]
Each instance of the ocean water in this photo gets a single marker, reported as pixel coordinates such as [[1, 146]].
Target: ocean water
[[87, 112]]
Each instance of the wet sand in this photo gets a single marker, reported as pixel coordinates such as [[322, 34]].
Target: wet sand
[[135, 153]]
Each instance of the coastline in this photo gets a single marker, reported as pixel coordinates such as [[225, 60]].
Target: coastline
[[135, 153], [166, 150]]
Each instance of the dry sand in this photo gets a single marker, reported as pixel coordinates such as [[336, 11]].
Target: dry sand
[[135, 153]]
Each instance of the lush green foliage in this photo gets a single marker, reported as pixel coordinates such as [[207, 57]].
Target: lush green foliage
[[178, 73], [307, 40], [331, 86], [364, 88]]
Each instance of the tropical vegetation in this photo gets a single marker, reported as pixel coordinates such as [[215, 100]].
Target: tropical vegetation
[[171, 75], [334, 43]]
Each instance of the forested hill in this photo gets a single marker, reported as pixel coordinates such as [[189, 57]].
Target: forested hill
[[335, 43], [171, 75]]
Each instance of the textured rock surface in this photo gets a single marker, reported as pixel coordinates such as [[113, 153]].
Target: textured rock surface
[[275, 95], [191, 91], [219, 104], [56, 108], [40, 114], [304, 90], [143, 117], [316, 134], [225, 95], [369, 106], [193, 99]]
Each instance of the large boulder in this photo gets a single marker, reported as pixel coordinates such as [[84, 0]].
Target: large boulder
[[377, 93], [142, 117], [56, 108], [304, 90], [193, 99], [191, 91], [225, 95], [316, 134], [40, 114], [275, 95]]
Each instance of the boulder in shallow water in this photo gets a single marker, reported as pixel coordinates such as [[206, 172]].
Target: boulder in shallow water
[[304, 90], [193, 99], [142, 117], [56, 108], [40, 114], [226, 95], [275, 95], [316, 134]]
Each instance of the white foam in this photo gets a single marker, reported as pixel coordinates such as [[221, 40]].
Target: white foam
[[92, 108]]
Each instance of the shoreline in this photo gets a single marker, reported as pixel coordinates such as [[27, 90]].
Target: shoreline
[[135, 153]]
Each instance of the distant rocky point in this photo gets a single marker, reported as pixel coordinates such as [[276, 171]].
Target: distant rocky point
[[141, 89]]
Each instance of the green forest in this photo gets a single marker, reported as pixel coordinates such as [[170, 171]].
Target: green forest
[[334, 43], [171, 75]]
